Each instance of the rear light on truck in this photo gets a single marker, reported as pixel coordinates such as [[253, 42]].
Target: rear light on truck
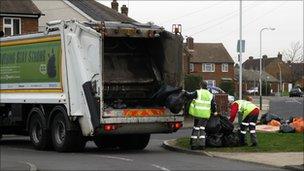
[[175, 125], [109, 127]]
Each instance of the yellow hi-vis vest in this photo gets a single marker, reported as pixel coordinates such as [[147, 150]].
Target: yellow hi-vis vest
[[245, 107], [201, 106]]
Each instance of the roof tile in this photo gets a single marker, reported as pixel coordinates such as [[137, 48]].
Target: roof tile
[[18, 7], [210, 52]]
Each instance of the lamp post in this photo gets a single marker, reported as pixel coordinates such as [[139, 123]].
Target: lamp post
[[267, 85], [260, 79], [280, 89]]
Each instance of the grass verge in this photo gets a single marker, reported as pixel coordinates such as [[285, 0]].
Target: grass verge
[[268, 142]]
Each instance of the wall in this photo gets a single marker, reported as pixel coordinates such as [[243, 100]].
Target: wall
[[217, 75], [1, 23], [56, 10], [28, 25]]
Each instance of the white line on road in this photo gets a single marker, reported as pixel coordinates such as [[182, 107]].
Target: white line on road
[[160, 167], [118, 158], [156, 140], [32, 166], [293, 100]]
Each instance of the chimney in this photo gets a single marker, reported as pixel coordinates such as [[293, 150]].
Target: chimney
[[114, 5], [190, 43], [264, 56], [250, 57], [124, 10], [279, 56]]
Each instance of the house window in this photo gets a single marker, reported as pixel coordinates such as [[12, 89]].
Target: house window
[[191, 67], [224, 67], [210, 82], [11, 26], [208, 68]]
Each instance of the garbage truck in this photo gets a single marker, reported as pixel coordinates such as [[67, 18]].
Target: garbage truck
[[107, 82]]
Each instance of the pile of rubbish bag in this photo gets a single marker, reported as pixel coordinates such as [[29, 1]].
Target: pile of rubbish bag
[[220, 132], [293, 124]]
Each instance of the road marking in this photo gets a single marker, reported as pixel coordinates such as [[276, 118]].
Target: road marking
[[293, 100], [32, 166], [118, 158], [160, 167], [156, 140]]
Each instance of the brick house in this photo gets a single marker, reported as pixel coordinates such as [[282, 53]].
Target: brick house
[[83, 11], [18, 17], [298, 73], [273, 66], [250, 78], [209, 60]]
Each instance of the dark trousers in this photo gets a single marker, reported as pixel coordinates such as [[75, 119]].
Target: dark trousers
[[198, 136], [249, 122]]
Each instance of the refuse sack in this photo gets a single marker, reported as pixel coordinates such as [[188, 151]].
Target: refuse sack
[[274, 123], [213, 125], [298, 124], [226, 126], [175, 102], [164, 92], [214, 140], [268, 117], [286, 128], [231, 140]]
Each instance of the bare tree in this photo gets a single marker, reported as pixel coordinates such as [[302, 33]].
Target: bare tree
[[295, 53]]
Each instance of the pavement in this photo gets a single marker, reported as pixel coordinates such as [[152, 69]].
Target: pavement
[[287, 160], [13, 165]]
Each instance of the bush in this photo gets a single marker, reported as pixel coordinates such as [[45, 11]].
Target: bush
[[228, 87], [192, 82]]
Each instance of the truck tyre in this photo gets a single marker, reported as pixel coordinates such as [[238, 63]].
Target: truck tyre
[[39, 136], [103, 142], [65, 140], [134, 142]]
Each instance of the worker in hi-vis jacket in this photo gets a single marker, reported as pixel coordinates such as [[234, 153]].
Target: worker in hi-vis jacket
[[249, 114], [201, 107]]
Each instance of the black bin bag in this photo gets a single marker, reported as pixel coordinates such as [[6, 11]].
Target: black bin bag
[[214, 140], [231, 140], [286, 128], [227, 126], [175, 102], [213, 125]]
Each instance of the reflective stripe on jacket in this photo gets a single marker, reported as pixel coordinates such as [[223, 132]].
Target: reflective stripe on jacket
[[245, 107], [201, 106]]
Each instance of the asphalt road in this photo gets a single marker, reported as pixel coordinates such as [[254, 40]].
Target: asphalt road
[[18, 150], [287, 106]]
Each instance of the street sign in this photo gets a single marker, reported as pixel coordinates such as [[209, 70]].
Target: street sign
[[243, 46]]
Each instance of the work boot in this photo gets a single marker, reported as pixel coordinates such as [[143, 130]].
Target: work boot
[[242, 140]]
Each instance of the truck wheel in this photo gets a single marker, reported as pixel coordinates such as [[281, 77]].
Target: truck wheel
[[134, 142], [38, 135], [65, 140], [103, 142]]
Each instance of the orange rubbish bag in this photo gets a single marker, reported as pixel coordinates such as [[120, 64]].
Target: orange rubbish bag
[[298, 124], [274, 123]]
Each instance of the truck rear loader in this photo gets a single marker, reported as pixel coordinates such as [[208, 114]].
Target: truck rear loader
[[108, 82]]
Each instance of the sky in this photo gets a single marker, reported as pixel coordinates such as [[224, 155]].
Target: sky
[[218, 22]]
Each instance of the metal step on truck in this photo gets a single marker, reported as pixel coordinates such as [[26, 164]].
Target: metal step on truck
[[106, 82]]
